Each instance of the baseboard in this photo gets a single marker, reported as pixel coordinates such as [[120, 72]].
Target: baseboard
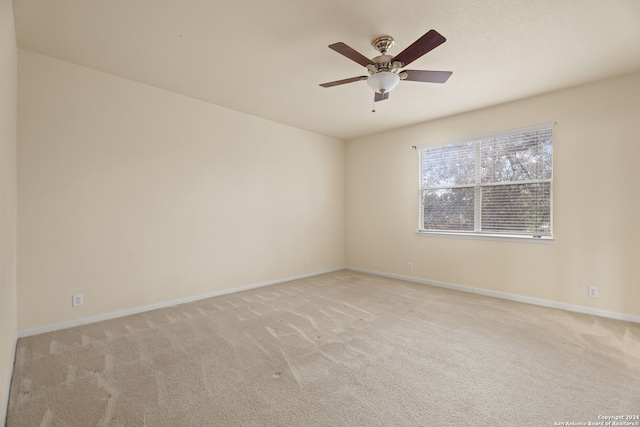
[[504, 295], [5, 403], [135, 310]]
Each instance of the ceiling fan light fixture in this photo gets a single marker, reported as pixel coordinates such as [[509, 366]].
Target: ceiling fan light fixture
[[383, 81]]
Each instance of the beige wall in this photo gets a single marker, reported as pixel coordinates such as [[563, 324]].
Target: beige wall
[[133, 195], [596, 202], [8, 114]]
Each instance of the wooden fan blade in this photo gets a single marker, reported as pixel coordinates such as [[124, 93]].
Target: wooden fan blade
[[351, 53], [341, 82], [381, 96], [427, 76], [424, 44]]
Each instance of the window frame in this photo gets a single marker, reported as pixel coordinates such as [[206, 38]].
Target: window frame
[[477, 233]]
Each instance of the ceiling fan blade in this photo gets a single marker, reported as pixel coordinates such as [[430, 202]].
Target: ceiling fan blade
[[350, 53], [424, 44], [381, 96], [427, 76], [341, 82]]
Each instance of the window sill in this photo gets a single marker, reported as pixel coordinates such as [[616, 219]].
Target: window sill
[[497, 237]]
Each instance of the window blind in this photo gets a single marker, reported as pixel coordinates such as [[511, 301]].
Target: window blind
[[494, 184]]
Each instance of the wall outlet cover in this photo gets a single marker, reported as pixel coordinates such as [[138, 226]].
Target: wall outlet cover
[[78, 300]]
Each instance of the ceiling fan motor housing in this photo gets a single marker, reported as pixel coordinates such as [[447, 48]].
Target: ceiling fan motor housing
[[384, 62]]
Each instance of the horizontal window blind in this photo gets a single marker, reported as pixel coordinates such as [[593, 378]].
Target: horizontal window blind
[[494, 184]]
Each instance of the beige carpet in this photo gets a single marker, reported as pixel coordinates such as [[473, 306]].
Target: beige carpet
[[340, 349]]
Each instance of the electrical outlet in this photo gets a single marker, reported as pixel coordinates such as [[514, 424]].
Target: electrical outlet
[[410, 266], [593, 292], [78, 300], [306, 263]]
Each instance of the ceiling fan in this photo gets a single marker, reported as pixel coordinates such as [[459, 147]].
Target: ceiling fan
[[385, 70]]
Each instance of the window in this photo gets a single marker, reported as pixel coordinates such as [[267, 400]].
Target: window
[[497, 184]]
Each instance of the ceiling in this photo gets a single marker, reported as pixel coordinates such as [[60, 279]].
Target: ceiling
[[267, 58]]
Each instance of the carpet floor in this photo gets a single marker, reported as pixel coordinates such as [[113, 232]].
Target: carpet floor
[[339, 349]]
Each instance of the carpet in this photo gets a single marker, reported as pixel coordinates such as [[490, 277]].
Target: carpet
[[339, 349]]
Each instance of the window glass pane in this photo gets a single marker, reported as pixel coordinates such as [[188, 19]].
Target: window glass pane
[[448, 165], [517, 208], [521, 157], [448, 209]]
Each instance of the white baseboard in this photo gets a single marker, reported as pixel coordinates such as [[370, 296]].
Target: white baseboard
[[504, 295], [5, 403], [135, 310]]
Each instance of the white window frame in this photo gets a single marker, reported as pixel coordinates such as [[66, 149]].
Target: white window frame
[[477, 233]]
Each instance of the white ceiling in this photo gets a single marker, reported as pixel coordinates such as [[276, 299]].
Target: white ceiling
[[267, 58]]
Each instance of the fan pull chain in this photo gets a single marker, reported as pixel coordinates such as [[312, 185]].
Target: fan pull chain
[[373, 106]]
